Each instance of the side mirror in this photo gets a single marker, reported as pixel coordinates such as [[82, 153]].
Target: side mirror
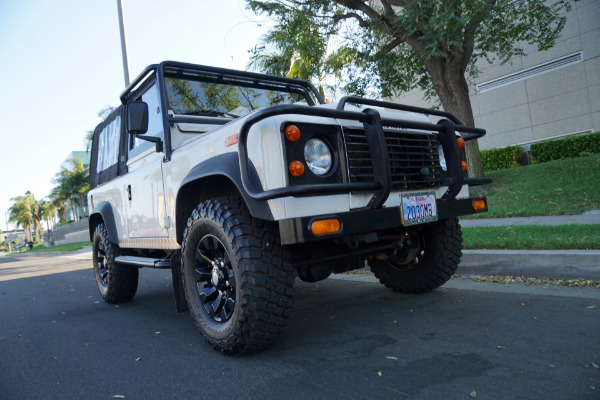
[[137, 118]]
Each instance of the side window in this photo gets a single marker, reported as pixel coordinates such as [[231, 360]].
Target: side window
[[108, 145], [155, 124]]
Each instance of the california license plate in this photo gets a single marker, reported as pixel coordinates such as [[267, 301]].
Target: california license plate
[[418, 208]]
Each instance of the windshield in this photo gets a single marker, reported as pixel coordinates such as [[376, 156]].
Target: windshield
[[229, 98]]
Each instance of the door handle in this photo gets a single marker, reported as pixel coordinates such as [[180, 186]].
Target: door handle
[[129, 191]]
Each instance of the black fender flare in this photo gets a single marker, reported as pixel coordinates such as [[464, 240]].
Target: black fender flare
[[226, 165], [104, 211]]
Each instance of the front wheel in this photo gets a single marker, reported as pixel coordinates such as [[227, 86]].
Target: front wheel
[[238, 281], [433, 257]]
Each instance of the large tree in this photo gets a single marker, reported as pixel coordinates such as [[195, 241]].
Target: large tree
[[399, 45]]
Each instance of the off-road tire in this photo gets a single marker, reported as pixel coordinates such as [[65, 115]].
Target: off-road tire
[[263, 276], [117, 283], [434, 266]]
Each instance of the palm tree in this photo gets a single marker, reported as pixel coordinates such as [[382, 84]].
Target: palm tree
[[25, 213], [46, 212], [300, 49], [72, 186], [20, 215]]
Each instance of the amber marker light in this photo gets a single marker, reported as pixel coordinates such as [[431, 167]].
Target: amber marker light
[[479, 205], [292, 133], [465, 166], [325, 226], [461, 143], [231, 140], [296, 168]]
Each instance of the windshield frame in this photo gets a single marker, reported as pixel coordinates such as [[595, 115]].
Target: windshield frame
[[260, 94], [189, 71]]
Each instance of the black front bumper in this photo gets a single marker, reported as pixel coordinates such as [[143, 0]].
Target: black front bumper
[[297, 230]]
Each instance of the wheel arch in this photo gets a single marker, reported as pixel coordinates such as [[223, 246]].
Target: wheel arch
[[103, 213], [216, 177]]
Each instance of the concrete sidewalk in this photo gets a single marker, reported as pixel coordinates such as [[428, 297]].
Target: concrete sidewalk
[[556, 264], [588, 217]]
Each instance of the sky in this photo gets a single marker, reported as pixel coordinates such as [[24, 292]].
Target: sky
[[61, 64]]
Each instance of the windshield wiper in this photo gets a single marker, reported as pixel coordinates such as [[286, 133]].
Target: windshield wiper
[[211, 113]]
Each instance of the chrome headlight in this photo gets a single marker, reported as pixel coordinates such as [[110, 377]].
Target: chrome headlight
[[442, 158], [318, 156]]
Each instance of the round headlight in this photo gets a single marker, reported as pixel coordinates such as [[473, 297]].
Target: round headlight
[[442, 158], [318, 156]]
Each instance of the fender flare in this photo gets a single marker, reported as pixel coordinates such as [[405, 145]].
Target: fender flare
[[104, 211], [227, 165]]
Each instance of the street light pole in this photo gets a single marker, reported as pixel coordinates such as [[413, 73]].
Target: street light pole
[[123, 43]]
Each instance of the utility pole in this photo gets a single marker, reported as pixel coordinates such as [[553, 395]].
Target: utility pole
[[123, 44]]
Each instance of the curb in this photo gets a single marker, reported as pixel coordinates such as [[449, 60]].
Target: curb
[[555, 264]]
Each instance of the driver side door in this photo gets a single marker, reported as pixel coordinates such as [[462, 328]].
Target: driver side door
[[144, 190]]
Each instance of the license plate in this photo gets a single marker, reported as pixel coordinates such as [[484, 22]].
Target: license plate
[[418, 208]]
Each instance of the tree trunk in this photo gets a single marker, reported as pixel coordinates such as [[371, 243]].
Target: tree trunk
[[74, 210], [451, 87], [28, 236], [82, 202]]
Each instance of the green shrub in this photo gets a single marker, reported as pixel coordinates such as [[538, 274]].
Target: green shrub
[[574, 146], [506, 157]]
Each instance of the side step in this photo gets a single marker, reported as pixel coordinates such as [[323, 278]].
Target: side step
[[144, 262]]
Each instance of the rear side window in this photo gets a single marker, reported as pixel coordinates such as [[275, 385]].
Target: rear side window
[[108, 145], [108, 158]]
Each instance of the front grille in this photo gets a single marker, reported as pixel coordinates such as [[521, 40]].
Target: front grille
[[413, 157]]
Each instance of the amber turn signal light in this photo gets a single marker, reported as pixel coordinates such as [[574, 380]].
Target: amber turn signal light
[[296, 168], [465, 166], [292, 133], [461, 143], [479, 205], [325, 226]]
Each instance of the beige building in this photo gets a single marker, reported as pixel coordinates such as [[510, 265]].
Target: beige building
[[541, 95]]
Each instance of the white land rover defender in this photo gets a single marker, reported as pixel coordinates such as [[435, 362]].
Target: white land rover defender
[[240, 182]]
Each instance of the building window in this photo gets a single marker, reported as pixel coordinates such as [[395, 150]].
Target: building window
[[530, 72]]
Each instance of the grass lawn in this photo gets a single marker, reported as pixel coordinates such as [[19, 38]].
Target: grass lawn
[[527, 237], [561, 187], [62, 247]]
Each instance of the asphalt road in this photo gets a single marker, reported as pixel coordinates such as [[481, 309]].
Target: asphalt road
[[347, 339]]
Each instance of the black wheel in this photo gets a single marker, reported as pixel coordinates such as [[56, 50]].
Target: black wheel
[[433, 259], [116, 283], [238, 281]]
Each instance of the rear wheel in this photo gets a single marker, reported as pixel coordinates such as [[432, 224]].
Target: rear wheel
[[428, 260], [238, 281], [117, 283]]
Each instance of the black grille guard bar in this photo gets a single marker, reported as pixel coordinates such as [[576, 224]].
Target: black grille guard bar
[[373, 126], [459, 126]]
